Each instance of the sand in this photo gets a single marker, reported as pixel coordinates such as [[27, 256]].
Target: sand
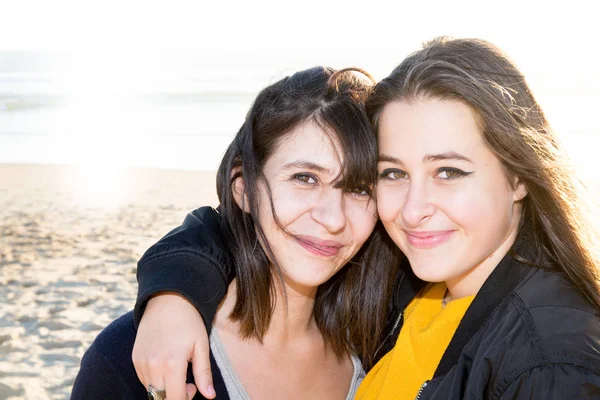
[[69, 242], [68, 253]]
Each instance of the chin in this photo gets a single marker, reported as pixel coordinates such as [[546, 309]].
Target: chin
[[309, 281], [314, 281], [430, 274]]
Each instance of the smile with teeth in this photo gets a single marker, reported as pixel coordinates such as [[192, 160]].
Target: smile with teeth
[[319, 247]]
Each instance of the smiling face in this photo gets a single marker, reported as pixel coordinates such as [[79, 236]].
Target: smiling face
[[443, 196], [322, 226]]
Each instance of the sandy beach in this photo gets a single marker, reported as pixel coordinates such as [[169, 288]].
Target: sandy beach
[[69, 243], [70, 238]]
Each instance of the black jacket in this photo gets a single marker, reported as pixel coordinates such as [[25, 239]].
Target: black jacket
[[107, 372], [529, 333]]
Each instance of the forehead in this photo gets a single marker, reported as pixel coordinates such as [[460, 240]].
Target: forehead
[[308, 142], [428, 126]]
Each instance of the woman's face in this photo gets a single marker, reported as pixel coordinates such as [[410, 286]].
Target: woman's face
[[326, 225], [442, 195]]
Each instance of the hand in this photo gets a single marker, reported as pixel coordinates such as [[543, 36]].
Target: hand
[[172, 333]]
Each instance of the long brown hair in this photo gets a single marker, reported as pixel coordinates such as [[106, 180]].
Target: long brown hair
[[553, 226], [350, 308]]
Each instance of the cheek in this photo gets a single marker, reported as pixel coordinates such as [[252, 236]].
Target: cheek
[[389, 203], [288, 204], [362, 217], [478, 210]]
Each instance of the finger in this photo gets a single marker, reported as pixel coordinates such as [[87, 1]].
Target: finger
[[155, 374], [191, 390], [204, 382], [202, 372], [174, 378], [140, 368]]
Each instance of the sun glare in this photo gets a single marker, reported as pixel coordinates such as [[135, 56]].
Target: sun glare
[[100, 186], [100, 126]]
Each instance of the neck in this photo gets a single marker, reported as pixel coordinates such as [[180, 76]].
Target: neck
[[292, 316]]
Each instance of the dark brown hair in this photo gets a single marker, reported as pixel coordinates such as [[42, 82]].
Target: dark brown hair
[[553, 230], [350, 308]]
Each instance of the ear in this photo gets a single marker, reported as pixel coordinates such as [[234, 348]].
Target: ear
[[520, 191], [239, 191]]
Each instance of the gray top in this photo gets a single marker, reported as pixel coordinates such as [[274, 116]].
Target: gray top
[[236, 390]]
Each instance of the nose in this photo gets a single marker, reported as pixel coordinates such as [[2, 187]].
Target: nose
[[418, 206], [330, 210]]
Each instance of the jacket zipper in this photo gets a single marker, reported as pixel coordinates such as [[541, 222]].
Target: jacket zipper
[[397, 322], [394, 327], [423, 386]]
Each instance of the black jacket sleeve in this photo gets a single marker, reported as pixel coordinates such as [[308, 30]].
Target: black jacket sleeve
[[554, 382], [191, 260]]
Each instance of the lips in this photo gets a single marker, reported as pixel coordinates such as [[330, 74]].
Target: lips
[[428, 239], [319, 247]]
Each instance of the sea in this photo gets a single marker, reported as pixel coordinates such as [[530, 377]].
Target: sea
[[181, 111]]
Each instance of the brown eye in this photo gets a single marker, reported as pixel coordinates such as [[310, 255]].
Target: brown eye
[[451, 173], [393, 174], [362, 190], [307, 179]]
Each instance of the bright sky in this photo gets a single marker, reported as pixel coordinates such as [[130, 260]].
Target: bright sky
[[334, 27], [554, 40], [556, 44]]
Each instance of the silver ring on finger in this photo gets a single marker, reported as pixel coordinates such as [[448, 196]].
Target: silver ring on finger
[[155, 394]]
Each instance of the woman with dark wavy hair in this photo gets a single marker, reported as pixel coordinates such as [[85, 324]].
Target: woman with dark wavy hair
[[496, 290], [295, 190]]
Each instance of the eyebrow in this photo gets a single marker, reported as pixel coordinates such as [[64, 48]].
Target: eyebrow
[[449, 155], [306, 165]]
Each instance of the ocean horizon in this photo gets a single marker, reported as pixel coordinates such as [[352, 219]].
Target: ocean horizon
[[180, 112]]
